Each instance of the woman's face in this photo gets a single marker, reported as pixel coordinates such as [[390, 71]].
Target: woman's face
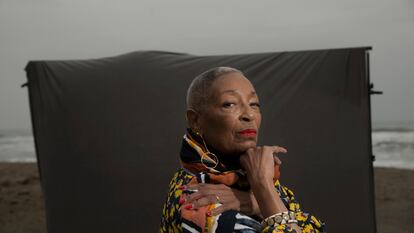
[[231, 120]]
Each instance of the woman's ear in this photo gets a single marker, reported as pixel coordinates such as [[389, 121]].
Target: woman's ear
[[193, 119]]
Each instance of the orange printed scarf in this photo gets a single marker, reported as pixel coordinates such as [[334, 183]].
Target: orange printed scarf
[[207, 167]]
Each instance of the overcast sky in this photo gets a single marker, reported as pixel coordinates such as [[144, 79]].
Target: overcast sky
[[78, 29]]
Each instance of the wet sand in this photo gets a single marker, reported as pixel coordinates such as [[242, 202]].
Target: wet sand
[[21, 199], [22, 210]]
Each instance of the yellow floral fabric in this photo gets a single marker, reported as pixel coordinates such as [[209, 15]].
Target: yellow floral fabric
[[171, 218]]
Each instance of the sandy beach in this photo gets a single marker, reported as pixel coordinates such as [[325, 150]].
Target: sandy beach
[[22, 210]]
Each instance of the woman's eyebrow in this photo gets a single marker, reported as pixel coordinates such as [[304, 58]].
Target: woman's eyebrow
[[231, 90], [252, 93]]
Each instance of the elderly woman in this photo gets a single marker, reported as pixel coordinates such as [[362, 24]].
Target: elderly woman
[[227, 182]]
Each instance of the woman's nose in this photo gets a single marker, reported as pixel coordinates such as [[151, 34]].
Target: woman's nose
[[247, 114], [247, 118]]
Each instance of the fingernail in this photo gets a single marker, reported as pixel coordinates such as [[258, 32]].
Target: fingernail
[[208, 213], [188, 207], [182, 200], [182, 187]]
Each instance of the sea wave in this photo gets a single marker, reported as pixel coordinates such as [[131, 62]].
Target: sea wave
[[393, 138], [393, 148], [17, 148]]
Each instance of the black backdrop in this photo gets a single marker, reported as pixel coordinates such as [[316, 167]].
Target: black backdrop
[[107, 133]]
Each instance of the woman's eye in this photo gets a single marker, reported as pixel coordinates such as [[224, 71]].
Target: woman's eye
[[228, 104], [255, 105]]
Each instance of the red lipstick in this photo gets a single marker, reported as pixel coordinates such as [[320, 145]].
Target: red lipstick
[[248, 132]]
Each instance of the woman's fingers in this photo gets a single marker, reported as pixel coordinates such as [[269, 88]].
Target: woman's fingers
[[205, 200], [208, 194], [267, 150], [278, 149], [197, 201], [277, 160], [227, 203], [205, 190], [259, 163], [193, 197], [220, 209], [217, 210]]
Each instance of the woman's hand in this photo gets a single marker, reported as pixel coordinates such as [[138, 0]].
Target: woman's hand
[[259, 166], [259, 163], [207, 194]]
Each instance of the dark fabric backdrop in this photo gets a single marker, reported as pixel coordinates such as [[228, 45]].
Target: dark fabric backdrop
[[107, 133]]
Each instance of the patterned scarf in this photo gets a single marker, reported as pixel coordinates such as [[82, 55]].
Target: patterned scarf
[[207, 168]]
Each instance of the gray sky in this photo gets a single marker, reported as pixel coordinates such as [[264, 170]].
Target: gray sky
[[77, 29]]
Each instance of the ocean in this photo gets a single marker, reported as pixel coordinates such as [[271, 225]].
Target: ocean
[[392, 144]]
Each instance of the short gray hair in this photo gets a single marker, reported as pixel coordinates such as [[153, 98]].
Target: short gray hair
[[197, 92]]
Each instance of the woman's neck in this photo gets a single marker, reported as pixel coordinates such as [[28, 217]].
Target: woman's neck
[[230, 160]]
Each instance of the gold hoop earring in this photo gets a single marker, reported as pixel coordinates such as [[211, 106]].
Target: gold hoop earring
[[210, 155], [214, 159]]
